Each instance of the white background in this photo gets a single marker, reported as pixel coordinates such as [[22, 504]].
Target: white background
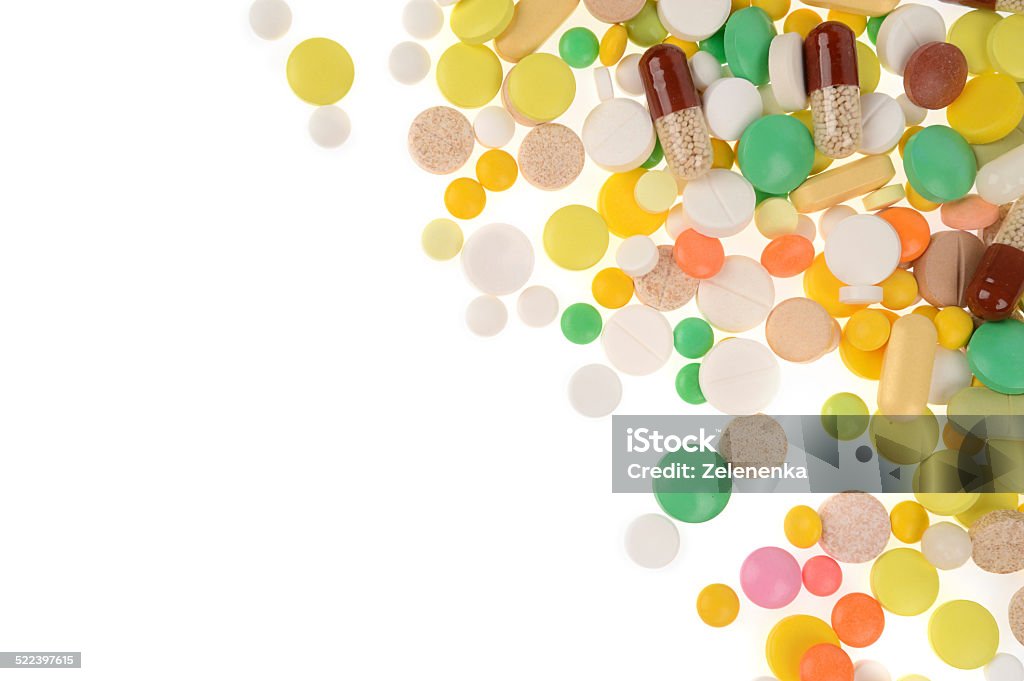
[[244, 432]]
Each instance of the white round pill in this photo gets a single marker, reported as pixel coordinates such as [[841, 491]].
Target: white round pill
[[652, 540], [786, 67], [677, 222], [1004, 667], [637, 255], [494, 127], [409, 63], [329, 127], [705, 69], [627, 74], [739, 297], [618, 135], [537, 306], [883, 122], [270, 19], [595, 391], [730, 105], [862, 250], [950, 375], [903, 31], [739, 377], [946, 546], [832, 217], [422, 19], [805, 228], [637, 340], [486, 316], [913, 113], [720, 204], [870, 670], [498, 259], [694, 20]]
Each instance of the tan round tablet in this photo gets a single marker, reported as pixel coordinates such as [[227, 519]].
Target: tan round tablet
[[440, 140], [998, 539], [854, 527], [756, 440], [551, 157], [614, 11], [801, 330], [947, 267], [665, 288], [1016, 613]]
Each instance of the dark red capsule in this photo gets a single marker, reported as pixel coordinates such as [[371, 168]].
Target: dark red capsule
[[830, 56], [667, 81]]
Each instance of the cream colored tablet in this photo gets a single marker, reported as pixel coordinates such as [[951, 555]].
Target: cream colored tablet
[[619, 135], [537, 306], [652, 540], [705, 69], [730, 105], [494, 127], [595, 391], [270, 19], [486, 316], [905, 30], [883, 123], [637, 340], [739, 377], [786, 66], [627, 75], [720, 204], [739, 297], [637, 255], [846, 182], [409, 63], [498, 259]]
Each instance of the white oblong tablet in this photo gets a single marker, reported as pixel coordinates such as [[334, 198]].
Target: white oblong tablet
[[739, 377], [603, 83], [913, 113], [498, 259], [951, 374], [739, 297], [862, 250], [494, 127], [678, 221], [422, 19], [905, 29], [537, 306], [652, 540], [786, 68], [486, 316], [832, 217], [270, 19], [627, 75], [694, 20], [1002, 180], [619, 135], [637, 340], [946, 546], [883, 121], [409, 63], [730, 105], [720, 204], [637, 255], [595, 391], [329, 127], [870, 670], [1004, 667], [705, 69]]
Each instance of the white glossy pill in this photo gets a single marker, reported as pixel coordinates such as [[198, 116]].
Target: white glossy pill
[[627, 74], [494, 127], [946, 546], [595, 391], [694, 20], [739, 297], [739, 377], [862, 250], [422, 19], [786, 67], [950, 375], [486, 316], [905, 29], [870, 670], [409, 63], [619, 135], [1004, 667], [832, 217], [637, 255], [883, 121], [498, 259], [730, 105], [637, 340], [720, 204], [329, 127], [1002, 180], [677, 222], [705, 69], [270, 19], [652, 540], [913, 113], [537, 306]]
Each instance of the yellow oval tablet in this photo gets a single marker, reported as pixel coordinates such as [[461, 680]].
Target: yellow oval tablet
[[477, 21], [469, 76], [776, 217], [541, 87], [868, 68], [1005, 46], [904, 582], [576, 237], [970, 34], [990, 106], [617, 205], [613, 44], [963, 634], [790, 639], [320, 71]]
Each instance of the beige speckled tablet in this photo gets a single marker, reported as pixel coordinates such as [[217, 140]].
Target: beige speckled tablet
[[1017, 615], [801, 330], [998, 539], [756, 440], [551, 157], [614, 11], [947, 267], [441, 140], [665, 288], [855, 527]]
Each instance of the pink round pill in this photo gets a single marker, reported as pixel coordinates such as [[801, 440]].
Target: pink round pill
[[970, 212], [822, 576], [770, 577]]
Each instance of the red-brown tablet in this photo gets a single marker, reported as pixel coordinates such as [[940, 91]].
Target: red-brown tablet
[[935, 75]]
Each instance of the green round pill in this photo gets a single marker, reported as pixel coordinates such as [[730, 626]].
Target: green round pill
[[696, 499], [656, 157], [693, 338], [645, 28], [875, 23], [940, 164], [776, 154], [996, 356], [688, 384], [581, 323], [748, 37], [579, 47], [844, 416], [715, 45]]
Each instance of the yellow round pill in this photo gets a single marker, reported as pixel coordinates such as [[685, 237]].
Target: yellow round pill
[[856, 22], [904, 582], [955, 327], [723, 155], [963, 634], [617, 204], [656, 191], [821, 286], [718, 605], [776, 217], [990, 106], [776, 9], [970, 34], [986, 503], [477, 21], [917, 201], [497, 170], [541, 87], [613, 45], [612, 288], [909, 521], [899, 290], [465, 198], [946, 503], [790, 639], [802, 527], [907, 134], [1006, 46], [576, 237], [739, 4], [686, 46], [469, 76], [928, 311], [868, 330], [801, 21], [320, 71], [442, 239], [869, 69]]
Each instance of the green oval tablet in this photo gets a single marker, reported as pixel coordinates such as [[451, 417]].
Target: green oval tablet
[[693, 338], [645, 29], [581, 323], [940, 164], [776, 153], [748, 36], [688, 384], [695, 500], [579, 47], [996, 356]]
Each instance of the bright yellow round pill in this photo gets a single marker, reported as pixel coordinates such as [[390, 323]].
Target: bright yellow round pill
[[946, 503], [856, 22], [801, 21], [868, 68], [970, 34], [477, 21], [497, 170], [718, 605], [802, 527], [442, 239], [790, 639], [320, 71], [909, 520], [928, 311], [686, 46], [776, 217], [617, 204], [656, 191], [469, 76], [776, 9], [868, 330], [821, 286], [904, 582], [899, 290], [541, 87], [723, 155], [576, 237], [613, 45], [917, 201], [955, 327], [1006, 46], [465, 198], [986, 503], [963, 634], [990, 106], [612, 288]]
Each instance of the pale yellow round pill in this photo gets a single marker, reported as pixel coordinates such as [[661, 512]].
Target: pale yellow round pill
[[656, 191], [576, 237], [884, 197], [776, 217], [477, 21], [541, 87], [442, 239]]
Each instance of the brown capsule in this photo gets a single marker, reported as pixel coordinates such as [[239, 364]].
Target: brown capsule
[[830, 56], [998, 283], [667, 81], [935, 75]]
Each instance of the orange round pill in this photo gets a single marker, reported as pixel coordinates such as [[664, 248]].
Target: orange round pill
[[858, 620], [913, 230], [826, 662], [787, 256], [698, 256]]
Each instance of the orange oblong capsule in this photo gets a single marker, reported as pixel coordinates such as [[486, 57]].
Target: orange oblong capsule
[[907, 368]]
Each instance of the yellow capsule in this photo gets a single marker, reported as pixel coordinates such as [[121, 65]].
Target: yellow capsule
[[613, 45], [907, 368]]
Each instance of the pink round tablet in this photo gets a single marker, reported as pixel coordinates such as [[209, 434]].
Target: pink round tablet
[[822, 576], [971, 212], [770, 577]]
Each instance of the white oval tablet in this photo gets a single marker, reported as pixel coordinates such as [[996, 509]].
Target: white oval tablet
[[494, 127], [1002, 180], [786, 67], [720, 204], [627, 74], [329, 127], [486, 316], [409, 63], [730, 105], [270, 19], [870, 670], [603, 83], [913, 113], [652, 540], [739, 377], [1004, 667], [694, 20], [705, 69], [677, 222], [905, 29], [422, 19], [498, 259], [637, 340], [883, 121], [832, 217], [950, 375], [537, 306], [946, 546], [595, 391], [862, 250], [619, 135], [637, 255], [739, 297]]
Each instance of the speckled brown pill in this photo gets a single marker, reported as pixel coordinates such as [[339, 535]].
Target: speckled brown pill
[[665, 288], [998, 542], [756, 440], [614, 11], [551, 157], [855, 527], [1016, 615], [441, 140], [801, 330], [946, 268], [935, 75]]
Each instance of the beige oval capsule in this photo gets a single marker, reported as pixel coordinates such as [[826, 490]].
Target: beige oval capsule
[[665, 288], [998, 540], [947, 266], [855, 527], [801, 330], [533, 22], [836, 185], [907, 368]]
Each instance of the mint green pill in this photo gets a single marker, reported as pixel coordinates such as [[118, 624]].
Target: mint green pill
[[695, 499], [656, 157], [715, 45], [776, 153], [940, 164], [645, 28], [845, 417], [579, 47], [688, 384], [693, 338], [875, 23], [748, 37], [581, 323], [996, 356]]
